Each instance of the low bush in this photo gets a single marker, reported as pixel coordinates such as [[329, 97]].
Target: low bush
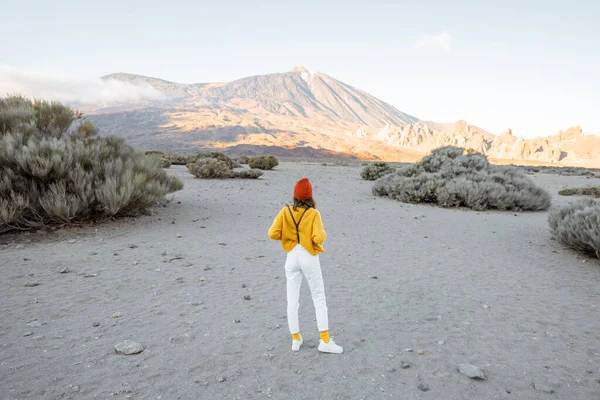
[[51, 176], [165, 163], [263, 162], [171, 158], [376, 170], [175, 159], [247, 174], [212, 155], [578, 226], [566, 171], [450, 178], [209, 168], [593, 191]]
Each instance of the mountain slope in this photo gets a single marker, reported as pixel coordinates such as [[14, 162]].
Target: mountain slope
[[308, 110]]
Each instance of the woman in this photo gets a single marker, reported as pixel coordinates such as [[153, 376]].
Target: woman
[[300, 229]]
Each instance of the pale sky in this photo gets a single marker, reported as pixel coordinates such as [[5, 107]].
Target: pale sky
[[533, 66]]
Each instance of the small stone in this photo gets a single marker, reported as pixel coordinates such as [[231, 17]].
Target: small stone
[[203, 279], [116, 315], [31, 284], [543, 388], [420, 352], [28, 334], [222, 244], [93, 253], [237, 321], [441, 342], [247, 297], [133, 246], [405, 365], [173, 222], [34, 324], [75, 388], [128, 347], [178, 236], [221, 379], [422, 387], [408, 350], [485, 306], [392, 369], [373, 277], [72, 241], [65, 270], [90, 275], [136, 262], [243, 285], [96, 324], [207, 268], [471, 371]]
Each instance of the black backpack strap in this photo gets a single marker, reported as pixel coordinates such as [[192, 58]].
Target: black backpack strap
[[297, 223]]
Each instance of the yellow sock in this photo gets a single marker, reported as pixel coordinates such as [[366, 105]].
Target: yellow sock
[[296, 336], [324, 336]]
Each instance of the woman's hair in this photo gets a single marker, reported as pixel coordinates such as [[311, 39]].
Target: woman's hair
[[306, 204]]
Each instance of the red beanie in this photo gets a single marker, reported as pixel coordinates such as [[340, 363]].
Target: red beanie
[[303, 189]]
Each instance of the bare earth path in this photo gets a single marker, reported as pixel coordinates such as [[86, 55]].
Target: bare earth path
[[488, 289]]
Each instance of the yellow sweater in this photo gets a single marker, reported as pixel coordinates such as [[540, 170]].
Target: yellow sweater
[[312, 233]]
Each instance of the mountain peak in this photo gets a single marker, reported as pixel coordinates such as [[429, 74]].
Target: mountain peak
[[299, 69]]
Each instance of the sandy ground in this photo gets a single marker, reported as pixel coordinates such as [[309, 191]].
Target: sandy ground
[[488, 289]]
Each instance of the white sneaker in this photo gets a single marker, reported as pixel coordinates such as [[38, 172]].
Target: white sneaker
[[296, 344], [330, 347]]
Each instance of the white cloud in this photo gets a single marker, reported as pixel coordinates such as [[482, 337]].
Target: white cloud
[[71, 89], [441, 41]]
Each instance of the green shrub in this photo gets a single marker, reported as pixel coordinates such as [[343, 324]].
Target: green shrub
[[578, 226], [214, 155], [263, 162], [17, 114], [593, 191], [566, 171], [375, 171], [209, 168], [172, 158], [450, 178], [52, 119], [243, 159], [175, 159], [86, 130], [247, 174], [50, 177], [165, 163]]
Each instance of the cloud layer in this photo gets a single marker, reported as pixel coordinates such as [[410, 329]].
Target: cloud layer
[[442, 41], [70, 89]]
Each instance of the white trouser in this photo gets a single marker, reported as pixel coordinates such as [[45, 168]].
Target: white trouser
[[300, 262]]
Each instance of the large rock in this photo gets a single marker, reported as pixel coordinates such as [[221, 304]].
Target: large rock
[[128, 347]]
